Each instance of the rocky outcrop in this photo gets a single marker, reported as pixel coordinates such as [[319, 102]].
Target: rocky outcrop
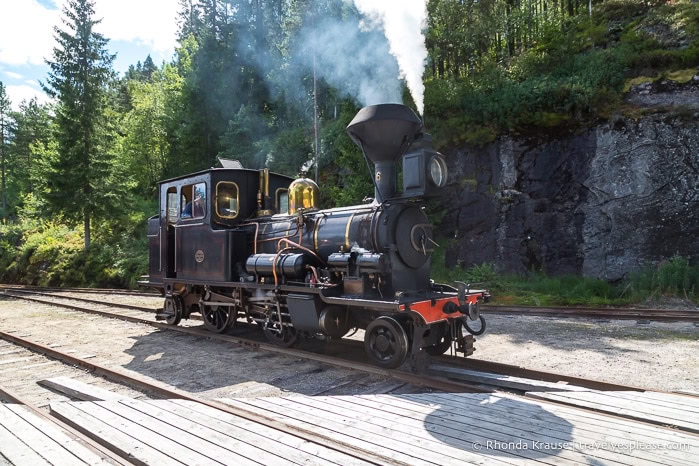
[[600, 203]]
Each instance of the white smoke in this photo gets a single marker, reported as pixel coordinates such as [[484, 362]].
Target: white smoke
[[403, 22], [353, 58]]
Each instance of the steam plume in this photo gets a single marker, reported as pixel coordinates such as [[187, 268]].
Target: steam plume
[[403, 23]]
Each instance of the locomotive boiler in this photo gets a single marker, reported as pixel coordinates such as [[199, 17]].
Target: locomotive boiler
[[233, 243]]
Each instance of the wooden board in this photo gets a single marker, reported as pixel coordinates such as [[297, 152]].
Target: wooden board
[[381, 440], [677, 411], [587, 431], [450, 428], [76, 389], [482, 424], [25, 438], [110, 436], [411, 429], [286, 446], [181, 432]]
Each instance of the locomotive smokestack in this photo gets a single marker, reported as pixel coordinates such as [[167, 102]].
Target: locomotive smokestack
[[384, 132]]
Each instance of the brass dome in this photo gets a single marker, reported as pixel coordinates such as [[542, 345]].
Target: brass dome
[[303, 194]]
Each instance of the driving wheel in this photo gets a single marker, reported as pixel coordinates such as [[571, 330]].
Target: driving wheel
[[386, 342], [282, 335], [218, 319]]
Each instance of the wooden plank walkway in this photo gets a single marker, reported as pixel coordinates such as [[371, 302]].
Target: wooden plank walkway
[[414, 429], [418, 429], [472, 428], [175, 432], [679, 411], [26, 438]]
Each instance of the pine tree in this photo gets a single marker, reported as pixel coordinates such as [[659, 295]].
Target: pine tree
[[5, 128], [81, 72], [33, 133]]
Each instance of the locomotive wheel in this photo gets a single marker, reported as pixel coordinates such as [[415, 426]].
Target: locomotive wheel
[[173, 310], [386, 342], [218, 319], [440, 348], [286, 337]]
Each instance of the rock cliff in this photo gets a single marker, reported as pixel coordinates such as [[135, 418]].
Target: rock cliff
[[599, 203]]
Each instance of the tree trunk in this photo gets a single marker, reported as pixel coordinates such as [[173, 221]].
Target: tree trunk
[[87, 230]]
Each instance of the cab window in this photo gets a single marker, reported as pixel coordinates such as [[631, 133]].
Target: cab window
[[193, 201], [172, 205], [227, 199], [282, 201]]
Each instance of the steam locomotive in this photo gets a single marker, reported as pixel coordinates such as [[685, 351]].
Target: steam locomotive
[[233, 243]]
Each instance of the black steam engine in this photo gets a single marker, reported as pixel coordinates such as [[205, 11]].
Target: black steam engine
[[234, 243]]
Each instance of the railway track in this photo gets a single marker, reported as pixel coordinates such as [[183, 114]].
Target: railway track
[[662, 315], [164, 391], [611, 313], [446, 373]]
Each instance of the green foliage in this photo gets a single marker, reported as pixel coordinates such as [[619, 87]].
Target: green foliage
[[484, 275], [50, 254], [558, 69], [579, 87], [6, 125], [568, 290], [236, 89], [245, 138], [346, 179], [143, 145], [33, 144], [671, 278], [675, 277], [81, 73], [289, 150]]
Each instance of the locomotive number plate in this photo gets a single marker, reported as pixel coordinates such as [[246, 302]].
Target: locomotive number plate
[[199, 256]]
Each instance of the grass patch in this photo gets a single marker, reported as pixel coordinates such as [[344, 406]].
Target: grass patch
[[682, 76], [636, 81], [674, 278]]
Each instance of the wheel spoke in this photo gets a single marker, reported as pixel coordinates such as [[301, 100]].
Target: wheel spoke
[[217, 318], [173, 309]]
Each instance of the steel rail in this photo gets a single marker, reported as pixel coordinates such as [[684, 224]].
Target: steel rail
[[167, 391], [437, 383], [536, 375], [665, 315], [86, 300], [114, 291], [448, 382]]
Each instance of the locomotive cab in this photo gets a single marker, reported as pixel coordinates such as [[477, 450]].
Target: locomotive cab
[[196, 234]]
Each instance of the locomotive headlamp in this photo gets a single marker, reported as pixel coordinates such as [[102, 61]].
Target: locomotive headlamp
[[438, 171], [424, 169]]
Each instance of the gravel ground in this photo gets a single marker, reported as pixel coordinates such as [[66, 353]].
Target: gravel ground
[[661, 356], [208, 368], [657, 355]]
